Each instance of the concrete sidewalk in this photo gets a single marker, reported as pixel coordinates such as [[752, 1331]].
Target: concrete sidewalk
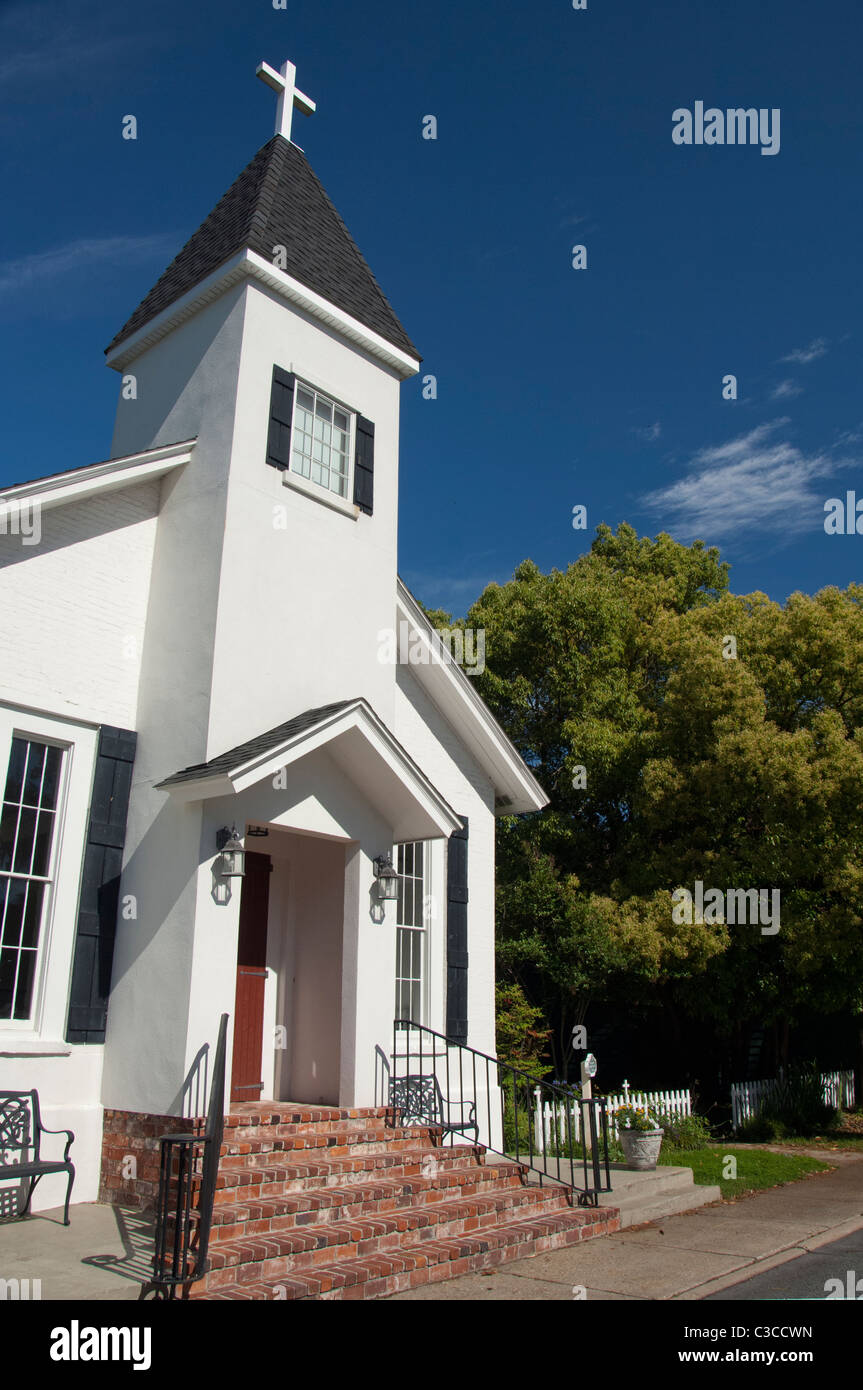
[[104, 1253], [687, 1257]]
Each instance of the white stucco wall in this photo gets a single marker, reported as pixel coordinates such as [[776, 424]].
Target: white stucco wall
[[186, 387], [73, 607], [301, 601], [310, 995]]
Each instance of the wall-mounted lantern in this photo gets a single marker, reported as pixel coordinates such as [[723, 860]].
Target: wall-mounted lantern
[[233, 856], [387, 878]]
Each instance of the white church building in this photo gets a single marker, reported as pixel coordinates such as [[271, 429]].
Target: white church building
[[206, 632]]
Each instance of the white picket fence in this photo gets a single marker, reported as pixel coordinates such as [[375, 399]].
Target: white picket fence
[[747, 1097], [550, 1127]]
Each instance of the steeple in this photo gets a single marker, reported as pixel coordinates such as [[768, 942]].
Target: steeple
[[278, 210]]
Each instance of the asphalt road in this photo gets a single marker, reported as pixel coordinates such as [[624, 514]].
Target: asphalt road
[[806, 1277]]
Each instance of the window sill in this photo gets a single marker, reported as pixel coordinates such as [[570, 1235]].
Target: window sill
[[32, 1047], [320, 494]]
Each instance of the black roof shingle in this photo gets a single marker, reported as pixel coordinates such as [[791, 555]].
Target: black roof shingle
[[278, 201], [255, 747]]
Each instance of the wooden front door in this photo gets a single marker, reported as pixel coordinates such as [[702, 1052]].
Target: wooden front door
[[246, 1080]]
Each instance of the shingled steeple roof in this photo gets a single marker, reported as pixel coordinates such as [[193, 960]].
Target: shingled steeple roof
[[278, 201]]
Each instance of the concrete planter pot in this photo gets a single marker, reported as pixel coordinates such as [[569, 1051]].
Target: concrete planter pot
[[641, 1148]]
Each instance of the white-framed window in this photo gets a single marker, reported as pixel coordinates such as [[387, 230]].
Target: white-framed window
[[412, 932], [46, 773], [28, 823], [322, 441]]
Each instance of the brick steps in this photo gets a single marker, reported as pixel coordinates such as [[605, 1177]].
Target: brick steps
[[297, 1174], [316, 1206], [255, 1151], [299, 1248], [259, 1114], [319, 1202], [429, 1261]]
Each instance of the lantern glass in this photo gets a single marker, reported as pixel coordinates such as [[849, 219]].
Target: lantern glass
[[387, 878], [388, 887], [233, 856]]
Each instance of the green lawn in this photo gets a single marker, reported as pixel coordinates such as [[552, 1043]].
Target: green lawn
[[757, 1169]]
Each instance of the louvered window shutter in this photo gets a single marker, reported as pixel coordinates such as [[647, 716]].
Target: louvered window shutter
[[100, 887], [281, 416], [364, 465], [456, 935]]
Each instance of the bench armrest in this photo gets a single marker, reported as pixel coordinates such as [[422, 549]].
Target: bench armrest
[[471, 1109], [69, 1141]]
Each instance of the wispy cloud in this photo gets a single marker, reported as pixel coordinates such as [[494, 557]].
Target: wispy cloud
[[817, 348], [39, 41], [785, 390], [750, 483], [41, 267], [848, 437], [650, 433]]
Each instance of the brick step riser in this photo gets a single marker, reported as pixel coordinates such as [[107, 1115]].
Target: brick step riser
[[305, 1261], [354, 1211], [382, 1287], [286, 1152], [491, 1207], [297, 1115], [286, 1128], [271, 1186]]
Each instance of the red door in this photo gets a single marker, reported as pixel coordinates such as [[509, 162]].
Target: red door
[[246, 1080]]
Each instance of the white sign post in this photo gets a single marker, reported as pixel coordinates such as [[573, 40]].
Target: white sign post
[[588, 1072]]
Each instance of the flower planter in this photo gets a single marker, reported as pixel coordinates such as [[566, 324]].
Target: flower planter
[[641, 1148]]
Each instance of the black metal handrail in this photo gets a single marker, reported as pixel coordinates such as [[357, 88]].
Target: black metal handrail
[[184, 1210], [586, 1173]]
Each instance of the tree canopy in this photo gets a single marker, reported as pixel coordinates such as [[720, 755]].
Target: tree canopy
[[682, 733]]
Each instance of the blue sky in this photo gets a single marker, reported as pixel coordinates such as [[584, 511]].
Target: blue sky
[[556, 387]]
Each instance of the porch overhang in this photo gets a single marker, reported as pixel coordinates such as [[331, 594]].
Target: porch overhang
[[357, 741]]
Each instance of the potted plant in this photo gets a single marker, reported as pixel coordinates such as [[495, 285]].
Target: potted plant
[[640, 1137]]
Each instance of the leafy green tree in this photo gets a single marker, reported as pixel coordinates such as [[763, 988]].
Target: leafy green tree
[[669, 758], [521, 1032]]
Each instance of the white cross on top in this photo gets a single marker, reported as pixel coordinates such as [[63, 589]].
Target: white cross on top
[[284, 83]]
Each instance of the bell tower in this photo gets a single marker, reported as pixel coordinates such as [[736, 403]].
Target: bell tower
[[269, 341]]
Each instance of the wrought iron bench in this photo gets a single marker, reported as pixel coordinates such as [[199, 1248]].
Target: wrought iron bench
[[21, 1130], [419, 1100]]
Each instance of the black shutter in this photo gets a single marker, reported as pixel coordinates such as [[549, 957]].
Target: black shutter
[[100, 887], [364, 465], [456, 935], [281, 416]]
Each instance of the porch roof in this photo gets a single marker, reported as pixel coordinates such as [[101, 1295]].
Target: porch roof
[[357, 739]]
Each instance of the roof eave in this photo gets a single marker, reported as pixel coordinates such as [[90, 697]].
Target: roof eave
[[103, 477], [516, 789], [248, 265]]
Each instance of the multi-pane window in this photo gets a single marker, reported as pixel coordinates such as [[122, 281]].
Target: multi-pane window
[[27, 835], [321, 441], [411, 933]]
